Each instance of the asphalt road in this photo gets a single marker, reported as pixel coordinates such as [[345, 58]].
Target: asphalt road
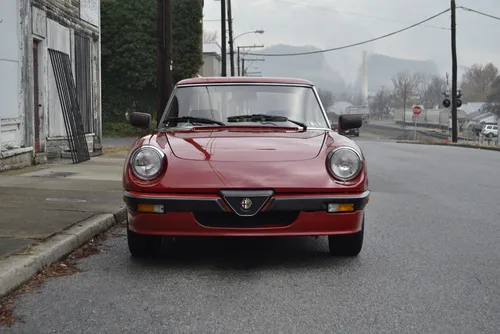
[[430, 264]]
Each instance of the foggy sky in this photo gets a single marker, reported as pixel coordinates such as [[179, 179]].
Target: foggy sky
[[332, 23]]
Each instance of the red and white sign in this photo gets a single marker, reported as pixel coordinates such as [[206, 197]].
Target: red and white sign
[[417, 110]]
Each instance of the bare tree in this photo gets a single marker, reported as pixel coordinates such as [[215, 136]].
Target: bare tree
[[210, 36], [327, 98], [477, 82], [493, 100], [405, 86], [430, 90], [381, 103]]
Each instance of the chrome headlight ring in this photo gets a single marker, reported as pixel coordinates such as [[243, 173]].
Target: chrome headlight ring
[[147, 162], [351, 156]]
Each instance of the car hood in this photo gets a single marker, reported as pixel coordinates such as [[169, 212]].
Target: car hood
[[238, 146]]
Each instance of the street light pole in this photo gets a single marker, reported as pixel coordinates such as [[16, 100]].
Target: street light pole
[[231, 41], [223, 36], [454, 123], [239, 73]]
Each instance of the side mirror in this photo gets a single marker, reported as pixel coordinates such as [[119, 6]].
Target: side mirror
[[347, 122], [140, 120]]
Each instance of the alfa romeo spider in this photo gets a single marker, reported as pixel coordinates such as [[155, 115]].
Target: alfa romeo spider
[[242, 156]]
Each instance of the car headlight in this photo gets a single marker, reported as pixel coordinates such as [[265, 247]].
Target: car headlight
[[344, 163], [147, 162]]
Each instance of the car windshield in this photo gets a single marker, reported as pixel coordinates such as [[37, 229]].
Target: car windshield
[[220, 102]]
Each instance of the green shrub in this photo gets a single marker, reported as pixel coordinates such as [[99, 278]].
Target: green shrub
[[120, 129]]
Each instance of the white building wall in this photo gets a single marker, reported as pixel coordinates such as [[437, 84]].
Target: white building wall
[[211, 65], [11, 120]]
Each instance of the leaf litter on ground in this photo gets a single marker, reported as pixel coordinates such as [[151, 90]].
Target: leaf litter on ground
[[65, 267]]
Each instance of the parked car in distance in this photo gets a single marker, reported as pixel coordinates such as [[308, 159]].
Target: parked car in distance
[[490, 131], [241, 156]]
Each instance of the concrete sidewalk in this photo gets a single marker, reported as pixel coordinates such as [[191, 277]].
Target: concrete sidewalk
[[41, 202]]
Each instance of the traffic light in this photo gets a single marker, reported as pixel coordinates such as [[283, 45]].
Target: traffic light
[[447, 101], [459, 95]]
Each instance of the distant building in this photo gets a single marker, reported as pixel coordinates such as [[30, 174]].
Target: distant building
[[32, 124], [472, 107], [212, 60], [484, 118]]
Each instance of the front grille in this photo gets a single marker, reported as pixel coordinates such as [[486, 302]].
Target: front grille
[[229, 219]]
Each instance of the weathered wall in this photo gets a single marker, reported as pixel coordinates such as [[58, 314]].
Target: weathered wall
[[57, 145], [14, 160], [74, 14], [11, 106], [58, 38], [62, 19], [39, 29], [53, 24]]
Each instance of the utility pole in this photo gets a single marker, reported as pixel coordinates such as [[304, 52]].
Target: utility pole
[[243, 60], [454, 97], [164, 55], [239, 61], [223, 36], [231, 41], [239, 57]]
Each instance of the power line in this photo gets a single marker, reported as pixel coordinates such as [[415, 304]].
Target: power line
[[478, 12], [248, 21], [353, 14], [350, 45]]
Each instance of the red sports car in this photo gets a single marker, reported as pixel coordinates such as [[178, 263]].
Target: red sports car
[[241, 156]]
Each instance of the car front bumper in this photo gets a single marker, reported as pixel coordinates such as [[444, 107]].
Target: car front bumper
[[215, 215]]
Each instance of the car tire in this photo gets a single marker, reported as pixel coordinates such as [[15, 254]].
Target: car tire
[[141, 245], [349, 245]]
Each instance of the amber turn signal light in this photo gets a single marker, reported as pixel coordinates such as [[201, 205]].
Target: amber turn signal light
[[150, 208], [340, 207]]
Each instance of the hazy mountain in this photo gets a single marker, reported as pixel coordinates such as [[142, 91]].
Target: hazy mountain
[[324, 68], [382, 68], [311, 67]]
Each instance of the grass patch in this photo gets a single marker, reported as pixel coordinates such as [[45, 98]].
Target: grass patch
[[118, 129], [115, 149]]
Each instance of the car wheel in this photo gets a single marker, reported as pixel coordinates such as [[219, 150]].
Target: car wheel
[[347, 244], [141, 245]]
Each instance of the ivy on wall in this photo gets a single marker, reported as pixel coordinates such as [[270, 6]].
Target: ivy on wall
[[128, 29]]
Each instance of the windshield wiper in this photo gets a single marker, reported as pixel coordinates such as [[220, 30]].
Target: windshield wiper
[[264, 118], [193, 120]]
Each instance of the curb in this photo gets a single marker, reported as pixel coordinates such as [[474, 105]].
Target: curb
[[451, 145], [18, 269]]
